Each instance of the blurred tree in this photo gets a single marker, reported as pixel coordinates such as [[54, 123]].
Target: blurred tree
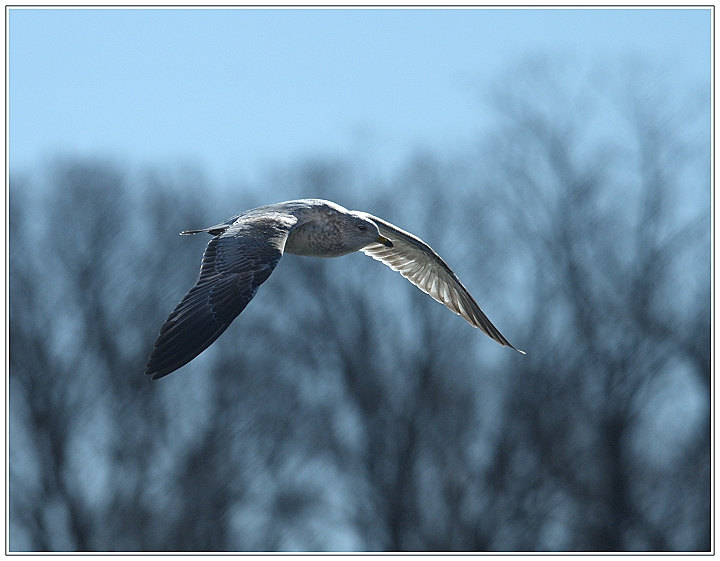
[[79, 316], [607, 234]]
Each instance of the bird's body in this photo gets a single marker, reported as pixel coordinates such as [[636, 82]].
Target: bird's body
[[246, 248]]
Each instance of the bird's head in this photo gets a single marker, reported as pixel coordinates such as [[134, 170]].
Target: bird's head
[[362, 232]]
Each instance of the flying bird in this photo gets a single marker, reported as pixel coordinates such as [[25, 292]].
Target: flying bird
[[246, 248]]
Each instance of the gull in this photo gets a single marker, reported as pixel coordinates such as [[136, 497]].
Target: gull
[[246, 248]]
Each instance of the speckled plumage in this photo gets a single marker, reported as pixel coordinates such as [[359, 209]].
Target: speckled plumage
[[246, 248]]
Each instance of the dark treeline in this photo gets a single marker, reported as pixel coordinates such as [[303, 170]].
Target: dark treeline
[[346, 410]]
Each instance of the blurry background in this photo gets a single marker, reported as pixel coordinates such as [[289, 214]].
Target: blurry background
[[559, 160]]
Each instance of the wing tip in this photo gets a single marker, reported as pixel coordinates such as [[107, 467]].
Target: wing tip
[[156, 373], [505, 343]]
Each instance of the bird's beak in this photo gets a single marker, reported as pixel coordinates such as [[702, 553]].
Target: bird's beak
[[383, 240]]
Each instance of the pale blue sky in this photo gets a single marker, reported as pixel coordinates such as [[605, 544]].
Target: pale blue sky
[[236, 90]]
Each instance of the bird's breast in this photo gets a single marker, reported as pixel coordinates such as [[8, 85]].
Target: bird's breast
[[315, 240]]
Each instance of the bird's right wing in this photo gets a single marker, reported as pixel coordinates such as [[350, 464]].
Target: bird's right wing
[[236, 262], [417, 262]]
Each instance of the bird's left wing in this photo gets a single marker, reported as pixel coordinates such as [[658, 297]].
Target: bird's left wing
[[236, 262], [417, 262]]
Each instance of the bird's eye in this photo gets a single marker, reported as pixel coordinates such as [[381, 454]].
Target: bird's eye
[[362, 227]]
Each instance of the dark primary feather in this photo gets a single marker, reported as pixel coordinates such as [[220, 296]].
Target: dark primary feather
[[417, 262], [234, 266]]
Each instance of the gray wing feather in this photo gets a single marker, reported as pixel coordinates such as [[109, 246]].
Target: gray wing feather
[[417, 262], [236, 262]]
